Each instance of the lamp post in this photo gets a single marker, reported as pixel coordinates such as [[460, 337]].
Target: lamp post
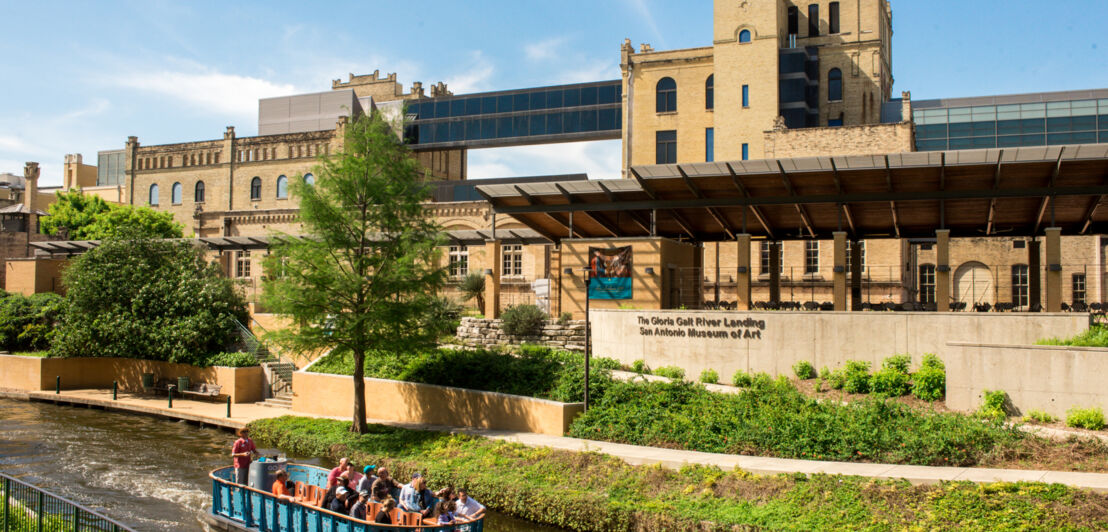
[[588, 343]]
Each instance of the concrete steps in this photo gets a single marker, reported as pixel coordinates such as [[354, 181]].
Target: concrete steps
[[283, 400]]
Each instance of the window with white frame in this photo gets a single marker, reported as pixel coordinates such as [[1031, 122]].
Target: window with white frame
[[811, 256], [242, 264], [512, 263], [1020, 285], [1078, 288], [927, 283], [459, 261]]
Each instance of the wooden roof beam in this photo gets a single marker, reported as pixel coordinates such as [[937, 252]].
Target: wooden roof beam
[[892, 204], [753, 209], [839, 188], [714, 213], [1048, 199], [992, 201], [792, 192]]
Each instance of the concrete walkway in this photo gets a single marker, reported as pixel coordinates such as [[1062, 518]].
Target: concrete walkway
[[211, 413]]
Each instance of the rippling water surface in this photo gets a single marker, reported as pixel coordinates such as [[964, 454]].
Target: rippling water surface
[[149, 473]]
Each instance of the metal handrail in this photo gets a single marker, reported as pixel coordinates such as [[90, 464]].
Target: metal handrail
[[264, 511], [28, 507]]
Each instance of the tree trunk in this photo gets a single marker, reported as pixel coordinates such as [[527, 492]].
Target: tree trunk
[[359, 426]]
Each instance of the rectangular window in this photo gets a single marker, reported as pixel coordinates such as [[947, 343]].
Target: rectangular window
[[709, 144], [1019, 244], [765, 258], [849, 253], [746, 96], [666, 147], [811, 256], [833, 18], [746, 151], [459, 261], [813, 20], [242, 264], [512, 263], [794, 20], [835, 122], [1078, 288], [1019, 285], [927, 283]]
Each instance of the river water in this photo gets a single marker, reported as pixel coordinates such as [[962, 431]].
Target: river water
[[148, 473]]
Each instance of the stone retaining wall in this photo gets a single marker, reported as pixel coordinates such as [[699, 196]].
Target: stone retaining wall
[[479, 332]]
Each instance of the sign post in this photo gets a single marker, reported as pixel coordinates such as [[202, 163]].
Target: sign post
[[588, 351]]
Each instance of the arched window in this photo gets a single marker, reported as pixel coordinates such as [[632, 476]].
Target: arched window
[[175, 194], [666, 96], [256, 189], [309, 180], [282, 187], [710, 92], [198, 194], [154, 195], [835, 85], [744, 36]]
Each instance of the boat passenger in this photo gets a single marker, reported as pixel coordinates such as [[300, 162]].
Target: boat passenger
[[384, 482], [368, 478], [243, 451], [411, 495], [332, 489], [338, 504], [353, 474], [280, 488], [445, 510], [359, 509], [383, 517], [467, 507], [334, 474]]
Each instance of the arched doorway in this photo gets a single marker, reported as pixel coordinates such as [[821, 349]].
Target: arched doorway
[[973, 284]]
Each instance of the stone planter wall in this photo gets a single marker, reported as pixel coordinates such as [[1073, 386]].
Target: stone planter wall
[[477, 332]]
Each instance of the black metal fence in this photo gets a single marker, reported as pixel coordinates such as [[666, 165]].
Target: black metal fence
[[28, 508]]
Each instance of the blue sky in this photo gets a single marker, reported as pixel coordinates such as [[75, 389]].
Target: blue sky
[[79, 77]]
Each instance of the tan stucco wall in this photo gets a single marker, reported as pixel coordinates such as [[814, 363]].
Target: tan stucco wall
[[1049, 378], [822, 338], [33, 276], [332, 395], [243, 385]]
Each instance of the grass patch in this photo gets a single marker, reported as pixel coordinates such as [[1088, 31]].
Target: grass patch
[[1095, 336], [533, 372], [594, 492]]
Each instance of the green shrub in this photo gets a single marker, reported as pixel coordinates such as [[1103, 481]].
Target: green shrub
[[929, 383], [639, 366], [564, 318], [930, 361], [804, 370], [522, 320], [1040, 416], [900, 363], [741, 378], [994, 407], [1095, 336], [1085, 418], [28, 323], [772, 418], [709, 376], [473, 287], [857, 378], [237, 359], [890, 382], [443, 317], [672, 372], [761, 380], [836, 379]]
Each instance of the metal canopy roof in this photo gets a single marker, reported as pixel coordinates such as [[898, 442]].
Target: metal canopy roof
[[1007, 192], [234, 243]]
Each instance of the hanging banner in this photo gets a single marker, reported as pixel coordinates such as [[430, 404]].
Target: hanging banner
[[610, 273]]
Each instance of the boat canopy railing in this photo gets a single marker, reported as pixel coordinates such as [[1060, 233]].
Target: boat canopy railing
[[261, 510]]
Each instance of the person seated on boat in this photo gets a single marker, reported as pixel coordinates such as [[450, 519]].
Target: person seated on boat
[[411, 496], [368, 478], [445, 509], [358, 511], [385, 482], [379, 493], [334, 474], [353, 474], [447, 493], [383, 516], [280, 488], [332, 490], [467, 507], [339, 503]]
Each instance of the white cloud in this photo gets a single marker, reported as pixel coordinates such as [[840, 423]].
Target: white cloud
[[644, 11], [12, 143], [545, 50], [214, 91], [598, 159], [476, 76]]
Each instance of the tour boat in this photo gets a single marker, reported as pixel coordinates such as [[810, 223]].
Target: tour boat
[[239, 507]]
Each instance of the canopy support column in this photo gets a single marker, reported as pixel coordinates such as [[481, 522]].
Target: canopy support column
[[1034, 274], [742, 280], [838, 275], [775, 272], [492, 279], [856, 275], [1054, 269], [942, 270]]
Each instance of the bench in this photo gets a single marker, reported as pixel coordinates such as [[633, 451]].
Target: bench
[[202, 389]]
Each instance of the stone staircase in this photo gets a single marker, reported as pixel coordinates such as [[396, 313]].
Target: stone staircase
[[282, 400]]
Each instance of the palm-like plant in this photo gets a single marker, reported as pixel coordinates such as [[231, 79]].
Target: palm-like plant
[[473, 287]]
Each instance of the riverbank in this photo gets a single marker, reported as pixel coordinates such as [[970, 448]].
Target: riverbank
[[595, 492]]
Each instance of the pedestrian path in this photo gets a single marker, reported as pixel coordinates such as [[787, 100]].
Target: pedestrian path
[[210, 413]]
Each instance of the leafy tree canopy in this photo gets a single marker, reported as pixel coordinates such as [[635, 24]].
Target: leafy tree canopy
[[364, 277], [88, 217], [140, 297]]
